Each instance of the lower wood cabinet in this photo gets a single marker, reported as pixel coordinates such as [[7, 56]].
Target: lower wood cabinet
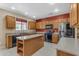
[[62, 53], [30, 46], [8, 41], [55, 38]]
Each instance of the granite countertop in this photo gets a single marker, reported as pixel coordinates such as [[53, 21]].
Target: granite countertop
[[20, 33], [41, 32], [29, 37], [69, 45]]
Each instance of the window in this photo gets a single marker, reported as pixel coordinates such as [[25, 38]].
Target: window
[[20, 25], [24, 26]]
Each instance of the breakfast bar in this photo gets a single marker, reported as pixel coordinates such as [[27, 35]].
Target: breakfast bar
[[68, 47], [28, 45]]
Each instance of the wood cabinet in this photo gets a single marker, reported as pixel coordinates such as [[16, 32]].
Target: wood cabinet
[[10, 22], [38, 25], [74, 14], [62, 53], [31, 25], [8, 41], [55, 38], [41, 24], [30, 46]]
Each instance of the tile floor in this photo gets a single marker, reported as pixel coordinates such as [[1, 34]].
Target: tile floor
[[47, 50]]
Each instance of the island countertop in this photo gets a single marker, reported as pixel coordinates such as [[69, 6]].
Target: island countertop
[[69, 45], [29, 36]]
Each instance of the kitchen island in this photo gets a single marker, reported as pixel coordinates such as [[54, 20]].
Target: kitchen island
[[28, 45], [68, 47]]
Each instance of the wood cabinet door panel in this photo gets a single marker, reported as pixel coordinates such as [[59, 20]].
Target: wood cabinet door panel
[[10, 22], [55, 38], [73, 14], [32, 25], [9, 41]]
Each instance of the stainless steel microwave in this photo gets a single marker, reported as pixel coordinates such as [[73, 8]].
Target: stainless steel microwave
[[49, 26]]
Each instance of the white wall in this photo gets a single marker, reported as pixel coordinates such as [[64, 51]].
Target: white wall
[[3, 29]]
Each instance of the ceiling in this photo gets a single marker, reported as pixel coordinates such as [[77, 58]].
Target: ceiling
[[37, 10]]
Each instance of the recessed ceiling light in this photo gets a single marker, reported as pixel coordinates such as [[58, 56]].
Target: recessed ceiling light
[[51, 3], [34, 16], [56, 10], [26, 13], [13, 8]]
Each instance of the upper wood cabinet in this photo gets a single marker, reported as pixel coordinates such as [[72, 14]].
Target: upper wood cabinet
[[31, 25], [74, 14], [38, 25], [10, 22]]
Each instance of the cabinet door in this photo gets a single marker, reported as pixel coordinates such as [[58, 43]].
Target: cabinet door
[[78, 13], [42, 24], [73, 14], [10, 22], [31, 25], [8, 41], [37, 25], [55, 38]]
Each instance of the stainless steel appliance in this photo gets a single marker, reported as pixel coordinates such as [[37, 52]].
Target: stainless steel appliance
[[48, 34]]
